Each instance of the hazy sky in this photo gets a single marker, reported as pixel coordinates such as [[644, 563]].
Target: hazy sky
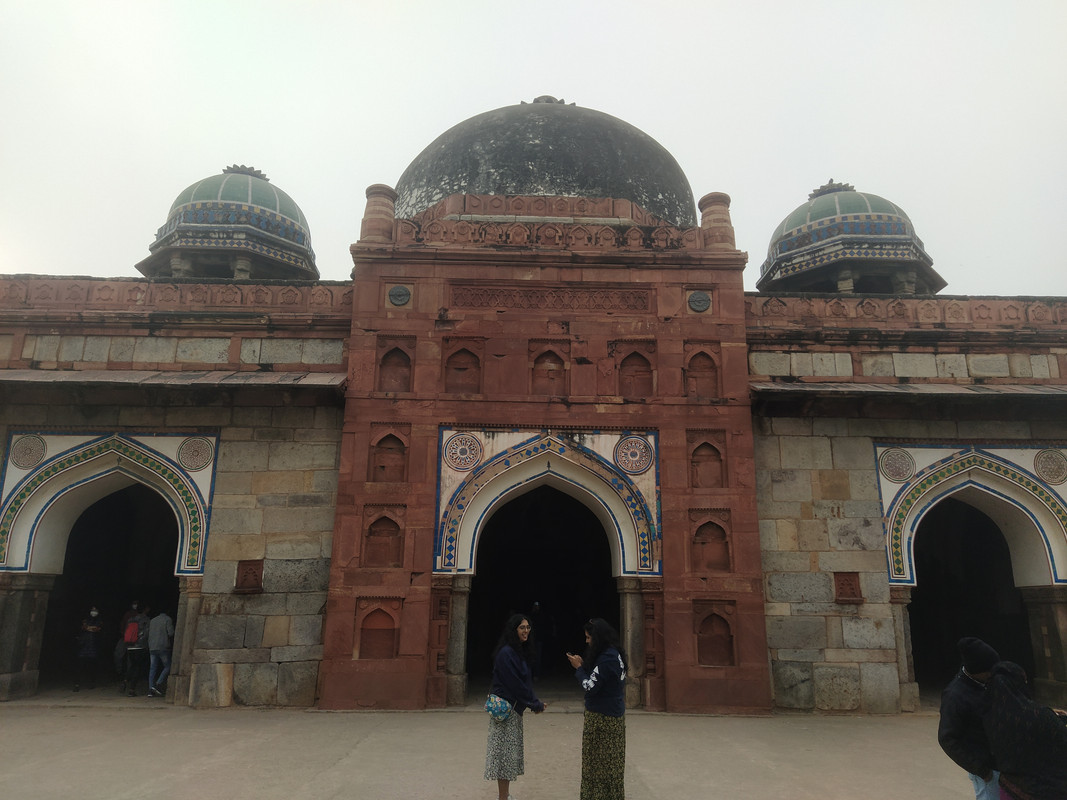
[[956, 111]]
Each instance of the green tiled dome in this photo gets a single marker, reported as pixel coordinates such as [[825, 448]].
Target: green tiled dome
[[249, 186], [840, 229], [236, 224]]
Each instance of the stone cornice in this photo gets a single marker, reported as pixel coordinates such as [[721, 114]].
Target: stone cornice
[[59, 296], [850, 314]]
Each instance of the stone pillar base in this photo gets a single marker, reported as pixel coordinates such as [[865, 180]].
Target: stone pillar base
[[909, 696], [456, 690], [211, 686], [1050, 693], [14, 685]]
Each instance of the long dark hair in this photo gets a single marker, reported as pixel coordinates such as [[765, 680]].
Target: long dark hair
[[509, 637], [601, 637]]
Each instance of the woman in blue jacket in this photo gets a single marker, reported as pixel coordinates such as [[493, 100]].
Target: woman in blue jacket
[[602, 674], [504, 759]]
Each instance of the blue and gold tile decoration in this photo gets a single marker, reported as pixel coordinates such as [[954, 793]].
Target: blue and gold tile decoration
[[926, 480], [193, 537], [645, 521]]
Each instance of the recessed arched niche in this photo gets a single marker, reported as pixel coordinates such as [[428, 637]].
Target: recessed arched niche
[[394, 372]]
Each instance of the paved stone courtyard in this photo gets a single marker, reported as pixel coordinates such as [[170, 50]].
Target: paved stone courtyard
[[97, 745]]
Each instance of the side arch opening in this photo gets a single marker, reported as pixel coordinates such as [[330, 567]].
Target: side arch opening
[[121, 548], [965, 586]]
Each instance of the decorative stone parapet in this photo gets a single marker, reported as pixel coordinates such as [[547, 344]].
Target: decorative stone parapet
[[853, 312], [561, 223], [55, 295]]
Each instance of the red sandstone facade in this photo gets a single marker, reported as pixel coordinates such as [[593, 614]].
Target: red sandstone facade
[[499, 294]]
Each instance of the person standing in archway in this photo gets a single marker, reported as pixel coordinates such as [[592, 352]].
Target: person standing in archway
[[602, 674], [505, 757], [87, 643], [136, 638], [961, 733], [160, 638]]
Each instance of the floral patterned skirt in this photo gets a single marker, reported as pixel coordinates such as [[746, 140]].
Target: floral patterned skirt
[[603, 757], [504, 759]]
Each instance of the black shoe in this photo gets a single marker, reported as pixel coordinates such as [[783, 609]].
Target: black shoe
[[154, 692], [77, 688], [131, 693]]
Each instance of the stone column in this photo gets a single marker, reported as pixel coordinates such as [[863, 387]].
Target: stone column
[[242, 267], [181, 667], [23, 605], [899, 597], [846, 284], [180, 266], [632, 633], [380, 215], [1046, 607], [456, 657], [715, 225]]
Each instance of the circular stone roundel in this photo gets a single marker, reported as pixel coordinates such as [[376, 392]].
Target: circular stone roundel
[[897, 465], [399, 295], [699, 301], [1051, 466], [28, 451], [633, 455], [462, 451], [195, 454]]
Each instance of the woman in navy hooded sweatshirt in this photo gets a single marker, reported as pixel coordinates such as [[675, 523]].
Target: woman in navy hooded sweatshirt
[[504, 759], [602, 674]]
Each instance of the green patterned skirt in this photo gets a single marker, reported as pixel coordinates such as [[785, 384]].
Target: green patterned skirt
[[603, 757]]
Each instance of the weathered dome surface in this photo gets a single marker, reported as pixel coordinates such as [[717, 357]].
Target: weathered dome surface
[[841, 228], [236, 213], [548, 148]]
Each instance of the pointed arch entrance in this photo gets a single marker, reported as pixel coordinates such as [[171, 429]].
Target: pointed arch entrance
[[994, 517], [138, 501], [964, 587], [122, 548], [543, 547], [606, 484]]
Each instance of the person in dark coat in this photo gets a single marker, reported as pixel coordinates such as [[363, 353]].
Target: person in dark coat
[[602, 675], [961, 733], [1028, 740], [505, 757], [87, 653]]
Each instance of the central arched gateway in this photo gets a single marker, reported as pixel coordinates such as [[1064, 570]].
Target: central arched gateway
[[482, 472], [543, 554]]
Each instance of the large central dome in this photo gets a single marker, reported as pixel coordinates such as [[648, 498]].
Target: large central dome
[[548, 148]]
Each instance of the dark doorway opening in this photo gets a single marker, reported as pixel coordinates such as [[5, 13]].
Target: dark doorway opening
[[122, 548], [543, 547], [965, 587]]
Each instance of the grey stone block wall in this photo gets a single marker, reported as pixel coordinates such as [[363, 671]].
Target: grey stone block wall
[[819, 514], [275, 500]]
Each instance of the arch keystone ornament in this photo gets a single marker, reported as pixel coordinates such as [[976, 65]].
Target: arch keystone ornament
[[1008, 484], [582, 464], [40, 503]]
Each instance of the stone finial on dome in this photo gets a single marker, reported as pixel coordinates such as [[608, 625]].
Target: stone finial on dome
[[546, 98], [829, 187], [241, 169]]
